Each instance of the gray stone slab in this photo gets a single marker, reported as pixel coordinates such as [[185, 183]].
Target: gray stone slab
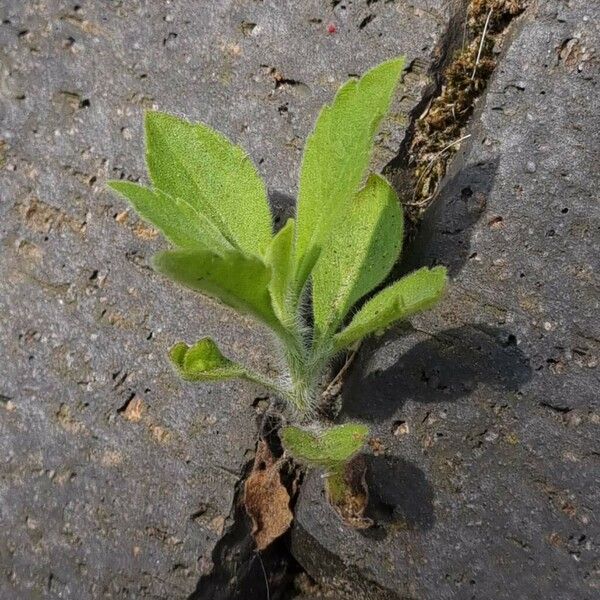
[[487, 407], [100, 498]]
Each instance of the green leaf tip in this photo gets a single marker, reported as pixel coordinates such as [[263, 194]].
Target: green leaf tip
[[203, 362], [176, 219], [329, 449], [194, 163], [336, 157], [413, 293]]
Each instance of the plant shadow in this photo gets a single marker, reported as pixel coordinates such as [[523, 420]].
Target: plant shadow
[[400, 496], [283, 207], [444, 235], [444, 367]]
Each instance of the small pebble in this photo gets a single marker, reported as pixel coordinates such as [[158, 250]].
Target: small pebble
[[530, 168], [171, 40], [401, 428]]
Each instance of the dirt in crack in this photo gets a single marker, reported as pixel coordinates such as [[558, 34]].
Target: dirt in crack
[[239, 571], [462, 75]]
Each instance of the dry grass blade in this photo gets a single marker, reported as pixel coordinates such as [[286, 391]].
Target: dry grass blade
[[485, 28], [432, 162]]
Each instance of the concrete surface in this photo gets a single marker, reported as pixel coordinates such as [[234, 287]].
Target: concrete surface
[[487, 485], [116, 479]]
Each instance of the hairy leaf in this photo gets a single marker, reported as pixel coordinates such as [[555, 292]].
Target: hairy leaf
[[302, 445], [216, 177], [177, 220], [279, 258], [237, 280], [359, 255], [334, 446], [342, 442], [336, 157], [413, 293], [203, 362]]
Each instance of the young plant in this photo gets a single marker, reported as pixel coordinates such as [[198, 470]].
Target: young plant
[[208, 200]]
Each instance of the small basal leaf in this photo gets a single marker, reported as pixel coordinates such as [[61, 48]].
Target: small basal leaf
[[302, 445], [359, 254], [334, 446], [279, 258], [213, 175], [203, 362], [413, 293], [178, 221], [342, 442], [235, 279], [336, 158]]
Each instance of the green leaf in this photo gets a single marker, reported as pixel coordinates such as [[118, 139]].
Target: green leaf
[[177, 220], [235, 279], [216, 177], [203, 362], [413, 293], [342, 442], [336, 158], [359, 255], [279, 258], [334, 446], [302, 445]]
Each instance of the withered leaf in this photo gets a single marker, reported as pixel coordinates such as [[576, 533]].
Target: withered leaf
[[266, 499]]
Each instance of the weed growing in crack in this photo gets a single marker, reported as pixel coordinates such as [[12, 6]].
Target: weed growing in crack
[[209, 201]]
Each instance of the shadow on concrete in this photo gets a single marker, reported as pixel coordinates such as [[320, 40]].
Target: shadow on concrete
[[283, 207], [445, 367], [444, 235], [399, 494]]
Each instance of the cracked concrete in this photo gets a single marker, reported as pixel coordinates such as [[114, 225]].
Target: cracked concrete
[[117, 479], [492, 398]]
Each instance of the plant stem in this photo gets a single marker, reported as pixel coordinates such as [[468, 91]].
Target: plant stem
[[266, 382], [305, 359], [305, 368]]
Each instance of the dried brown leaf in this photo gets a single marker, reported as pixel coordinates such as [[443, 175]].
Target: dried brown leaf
[[266, 499]]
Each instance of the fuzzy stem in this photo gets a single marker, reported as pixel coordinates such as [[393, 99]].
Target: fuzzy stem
[[265, 382], [305, 359], [305, 369]]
